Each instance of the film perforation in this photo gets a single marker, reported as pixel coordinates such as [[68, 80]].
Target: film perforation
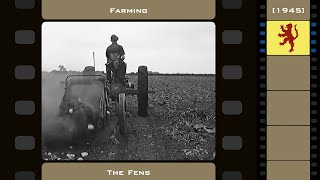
[[24, 72], [24, 37], [24, 4], [22, 175], [24, 143], [261, 103], [314, 90]]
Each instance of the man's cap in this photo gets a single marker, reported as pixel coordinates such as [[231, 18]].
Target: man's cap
[[114, 38]]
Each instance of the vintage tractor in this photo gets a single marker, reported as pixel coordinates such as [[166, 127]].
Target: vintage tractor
[[92, 100]]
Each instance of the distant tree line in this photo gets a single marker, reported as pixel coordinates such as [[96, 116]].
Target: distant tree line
[[150, 73], [63, 70]]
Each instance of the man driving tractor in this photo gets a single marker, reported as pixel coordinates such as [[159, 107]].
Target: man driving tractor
[[115, 61]]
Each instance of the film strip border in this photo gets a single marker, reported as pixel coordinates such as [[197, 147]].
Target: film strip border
[[236, 89], [314, 90], [236, 82], [262, 90], [264, 167], [25, 82]]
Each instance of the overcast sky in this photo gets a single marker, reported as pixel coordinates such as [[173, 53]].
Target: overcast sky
[[166, 47]]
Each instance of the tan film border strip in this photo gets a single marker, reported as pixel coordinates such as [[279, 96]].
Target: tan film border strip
[[236, 81], [278, 139]]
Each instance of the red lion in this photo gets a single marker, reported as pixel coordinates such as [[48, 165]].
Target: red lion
[[288, 36]]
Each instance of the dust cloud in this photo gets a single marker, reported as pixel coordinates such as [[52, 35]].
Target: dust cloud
[[62, 129], [54, 128]]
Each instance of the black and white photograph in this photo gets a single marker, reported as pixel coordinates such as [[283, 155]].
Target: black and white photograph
[[128, 91]]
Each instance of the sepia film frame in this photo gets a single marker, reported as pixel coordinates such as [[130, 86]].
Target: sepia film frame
[[262, 68], [241, 91]]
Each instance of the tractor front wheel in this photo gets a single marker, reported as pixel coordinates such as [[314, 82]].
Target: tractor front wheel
[[122, 114]]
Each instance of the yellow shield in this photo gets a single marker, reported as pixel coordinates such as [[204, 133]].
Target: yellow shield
[[288, 38]]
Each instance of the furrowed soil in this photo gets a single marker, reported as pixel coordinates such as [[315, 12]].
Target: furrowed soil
[[180, 125]]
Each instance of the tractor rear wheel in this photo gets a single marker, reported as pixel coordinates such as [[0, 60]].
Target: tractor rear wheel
[[122, 114], [143, 91]]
